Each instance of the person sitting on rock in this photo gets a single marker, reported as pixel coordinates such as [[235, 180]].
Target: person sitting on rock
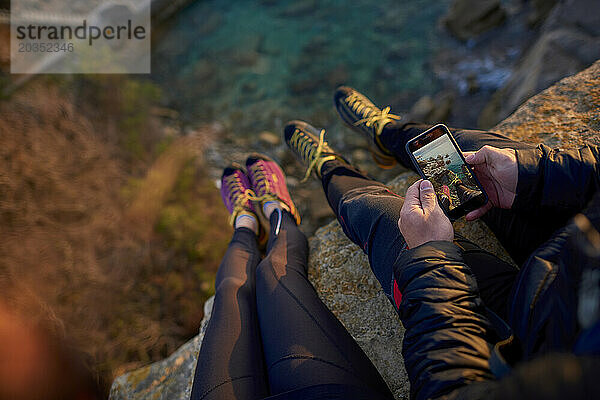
[[477, 326], [269, 335], [469, 316]]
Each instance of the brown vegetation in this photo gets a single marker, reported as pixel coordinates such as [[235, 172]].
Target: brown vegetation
[[93, 246]]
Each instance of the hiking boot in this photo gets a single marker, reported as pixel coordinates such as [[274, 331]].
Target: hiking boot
[[309, 146], [237, 194], [268, 182], [359, 113]]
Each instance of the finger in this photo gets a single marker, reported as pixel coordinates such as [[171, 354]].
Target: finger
[[427, 196], [480, 212], [477, 157]]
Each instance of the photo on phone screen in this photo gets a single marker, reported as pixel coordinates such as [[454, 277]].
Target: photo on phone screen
[[454, 184]]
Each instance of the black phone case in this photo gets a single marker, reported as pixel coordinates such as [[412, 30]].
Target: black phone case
[[420, 171]]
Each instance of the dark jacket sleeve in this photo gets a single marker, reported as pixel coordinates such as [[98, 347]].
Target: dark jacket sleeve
[[564, 180], [444, 345]]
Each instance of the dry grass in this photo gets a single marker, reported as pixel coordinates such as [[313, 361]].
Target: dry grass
[[79, 251]]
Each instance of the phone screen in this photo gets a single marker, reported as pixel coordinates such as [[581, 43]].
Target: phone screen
[[443, 165]]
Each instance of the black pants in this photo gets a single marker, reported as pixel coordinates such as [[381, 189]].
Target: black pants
[[368, 213], [271, 335]]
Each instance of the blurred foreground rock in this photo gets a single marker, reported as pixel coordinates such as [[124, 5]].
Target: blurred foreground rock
[[565, 115]]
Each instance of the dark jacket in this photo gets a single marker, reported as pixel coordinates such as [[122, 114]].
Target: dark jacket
[[450, 345]]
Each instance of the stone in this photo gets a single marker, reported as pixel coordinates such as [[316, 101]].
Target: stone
[[360, 155], [432, 109], [318, 44], [565, 115], [540, 10], [468, 18], [249, 87], [305, 86], [269, 138], [338, 76], [401, 50], [270, 46], [210, 23], [204, 70], [391, 21], [472, 84], [422, 108], [569, 42], [245, 58], [299, 8]]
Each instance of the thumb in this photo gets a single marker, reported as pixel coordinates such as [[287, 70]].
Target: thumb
[[427, 196], [412, 197]]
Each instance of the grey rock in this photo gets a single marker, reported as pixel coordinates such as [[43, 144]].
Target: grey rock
[[422, 108], [569, 42], [540, 10], [565, 115], [210, 23], [299, 8], [468, 18], [432, 109], [269, 138]]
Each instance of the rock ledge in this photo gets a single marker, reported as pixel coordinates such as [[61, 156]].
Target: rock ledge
[[565, 115]]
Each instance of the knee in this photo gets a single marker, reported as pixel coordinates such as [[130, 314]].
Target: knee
[[232, 286], [296, 242], [372, 201], [366, 195], [290, 239], [264, 274]]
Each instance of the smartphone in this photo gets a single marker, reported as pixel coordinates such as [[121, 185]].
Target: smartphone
[[438, 158]]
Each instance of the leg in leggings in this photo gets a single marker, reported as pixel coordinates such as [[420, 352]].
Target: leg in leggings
[[368, 213], [519, 233], [230, 363], [304, 343]]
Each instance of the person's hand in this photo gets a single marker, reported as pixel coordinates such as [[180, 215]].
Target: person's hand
[[497, 171], [421, 218]]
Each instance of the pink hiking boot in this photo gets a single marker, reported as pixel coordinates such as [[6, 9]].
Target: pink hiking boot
[[268, 182]]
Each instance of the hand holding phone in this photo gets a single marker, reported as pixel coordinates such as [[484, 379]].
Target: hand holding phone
[[421, 218], [497, 170], [438, 158]]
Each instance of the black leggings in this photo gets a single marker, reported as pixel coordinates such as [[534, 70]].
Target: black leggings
[[271, 335]]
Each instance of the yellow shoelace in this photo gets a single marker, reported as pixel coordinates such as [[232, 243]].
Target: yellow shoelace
[[262, 183], [307, 150], [262, 186], [233, 184], [373, 116]]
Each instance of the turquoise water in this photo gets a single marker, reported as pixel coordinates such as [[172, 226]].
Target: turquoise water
[[253, 65]]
